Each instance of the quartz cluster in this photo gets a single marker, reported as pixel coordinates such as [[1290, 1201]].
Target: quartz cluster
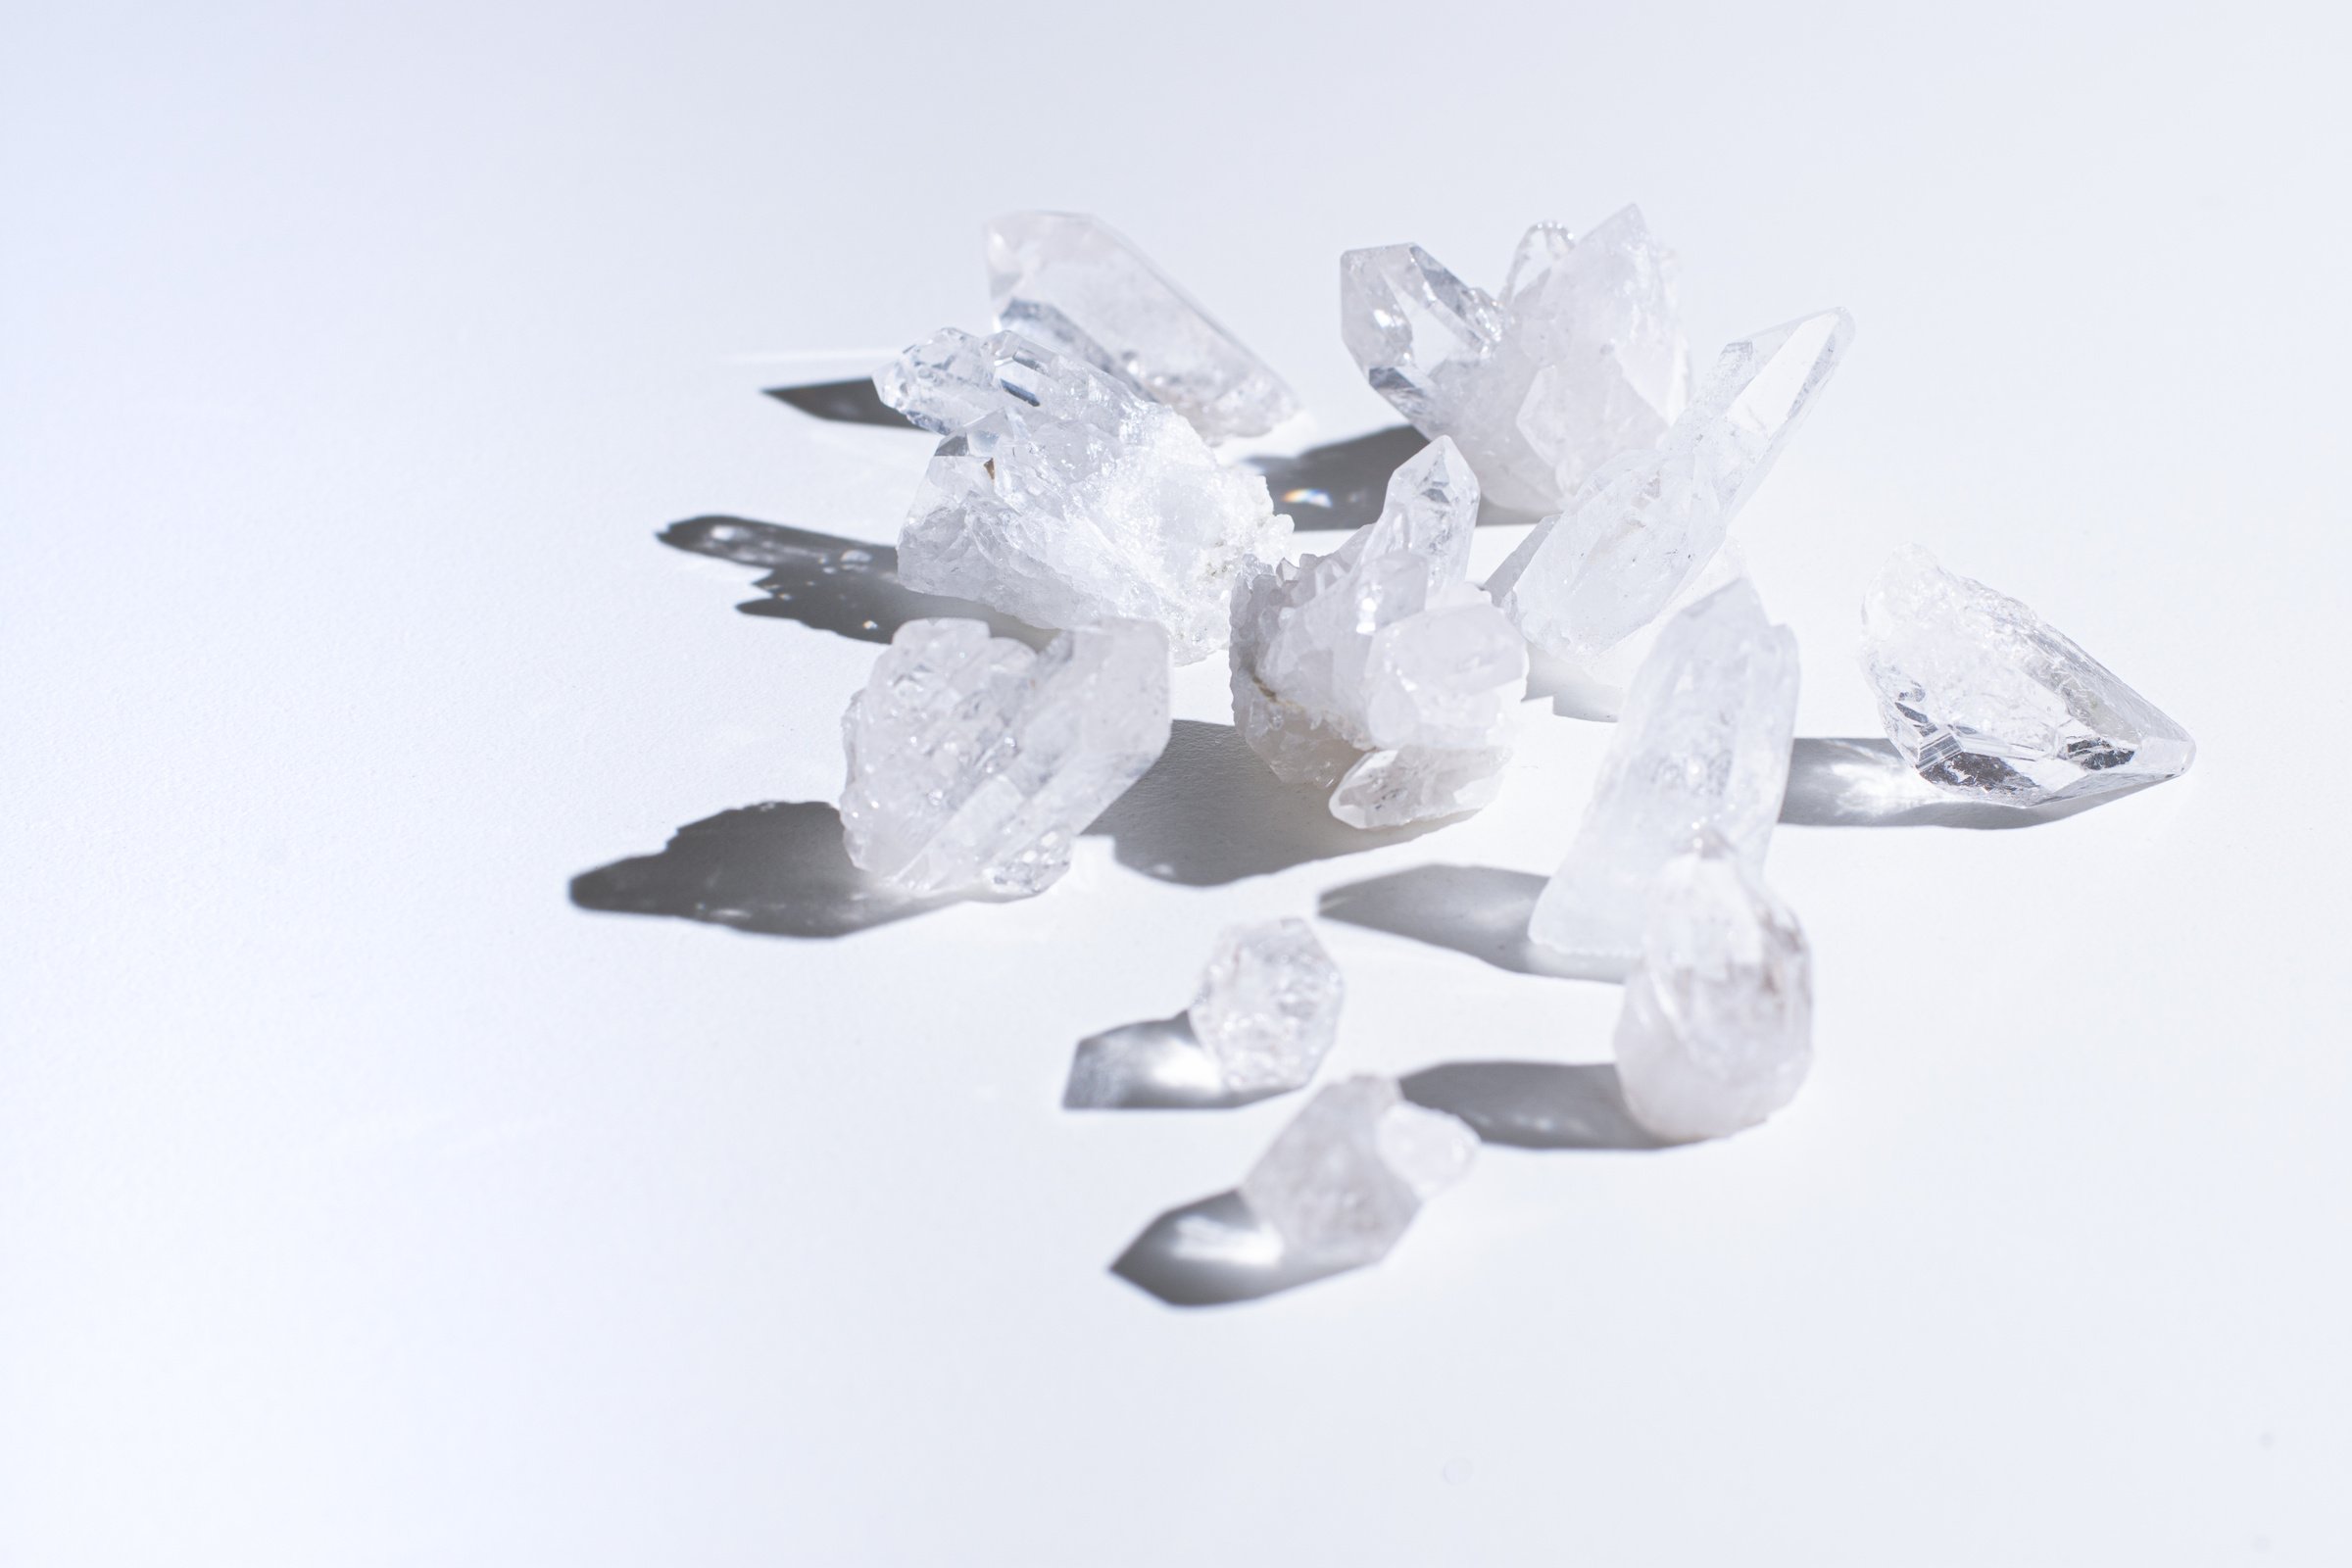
[[975, 762], [1268, 1007], [1378, 672], [1341, 1183]]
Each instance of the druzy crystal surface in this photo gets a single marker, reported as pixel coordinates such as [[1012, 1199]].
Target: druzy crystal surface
[[1579, 359], [1268, 1007], [1378, 672], [1702, 746], [1342, 1182], [1716, 1031], [975, 762], [1072, 283], [1645, 525], [1987, 700], [1063, 496]]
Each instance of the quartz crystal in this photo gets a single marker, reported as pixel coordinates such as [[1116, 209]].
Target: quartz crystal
[[1345, 1179], [1987, 700], [1268, 1009], [1072, 283], [1378, 672], [1716, 1030], [1063, 496], [1580, 359], [1644, 526], [1703, 745], [976, 762]]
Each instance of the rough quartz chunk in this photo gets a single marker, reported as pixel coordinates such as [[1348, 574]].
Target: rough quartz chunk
[[1063, 496], [1580, 359], [1268, 1007], [1345, 1178], [1378, 672], [1716, 1031], [1987, 700], [975, 762], [1702, 746], [1646, 526], [1072, 283]]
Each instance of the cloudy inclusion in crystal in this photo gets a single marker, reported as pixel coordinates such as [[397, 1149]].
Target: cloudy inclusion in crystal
[[1268, 1007], [1342, 1182]]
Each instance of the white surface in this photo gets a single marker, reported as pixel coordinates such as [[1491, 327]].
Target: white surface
[[362, 1201]]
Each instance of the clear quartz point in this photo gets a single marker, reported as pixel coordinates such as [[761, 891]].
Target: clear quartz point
[[974, 763], [1063, 496], [1987, 700], [1702, 746], [1342, 1182], [1268, 1007], [1072, 283]]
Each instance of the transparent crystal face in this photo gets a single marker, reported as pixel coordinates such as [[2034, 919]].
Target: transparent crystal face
[[975, 764], [1342, 1182], [1987, 700], [1268, 1007]]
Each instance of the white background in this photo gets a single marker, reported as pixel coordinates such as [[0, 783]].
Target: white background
[[364, 1201]]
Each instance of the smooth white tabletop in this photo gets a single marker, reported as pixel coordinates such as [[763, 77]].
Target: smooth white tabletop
[[364, 1198]]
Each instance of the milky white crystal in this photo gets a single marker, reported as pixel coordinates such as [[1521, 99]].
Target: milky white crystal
[[1716, 1029], [1646, 526], [1579, 360], [975, 762], [1702, 745], [1268, 1007], [1988, 701], [1063, 496], [1346, 1176], [1378, 672], [1072, 283]]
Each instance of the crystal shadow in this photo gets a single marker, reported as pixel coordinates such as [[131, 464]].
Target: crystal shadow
[[1339, 485], [834, 584], [1211, 811], [1156, 1064], [851, 402], [1212, 1253], [1481, 910], [1864, 782], [1533, 1104], [777, 869]]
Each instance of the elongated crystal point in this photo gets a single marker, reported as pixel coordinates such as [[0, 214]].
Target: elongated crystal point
[[1988, 701], [1342, 1182], [1072, 283]]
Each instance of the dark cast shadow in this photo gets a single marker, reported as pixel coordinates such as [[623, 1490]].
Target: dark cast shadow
[[1339, 485], [1157, 1064], [1478, 909], [1533, 1104], [1212, 1253], [834, 584], [851, 402], [1864, 782]]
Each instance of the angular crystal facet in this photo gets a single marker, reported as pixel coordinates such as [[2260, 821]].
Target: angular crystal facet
[[1378, 672], [1063, 496], [1072, 283], [1345, 1178], [1703, 745], [1987, 700], [1644, 527], [1268, 1007], [1579, 359], [975, 762], [1716, 1031]]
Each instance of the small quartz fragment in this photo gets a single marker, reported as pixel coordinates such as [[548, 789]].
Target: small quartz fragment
[[1072, 283], [1645, 527], [1345, 1179], [1063, 496], [1987, 701], [1703, 745], [1716, 1031], [1581, 357], [975, 762], [1378, 672], [1268, 1007]]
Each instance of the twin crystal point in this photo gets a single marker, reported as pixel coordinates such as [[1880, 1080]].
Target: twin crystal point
[[1063, 496], [1342, 1182], [1378, 672], [1268, 1007], [1702, 746], [1987, 700], [974, 763], [1072, 283]]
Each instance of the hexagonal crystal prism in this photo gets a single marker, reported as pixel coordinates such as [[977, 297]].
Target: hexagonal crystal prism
[[1345, 1179], [1268, 1007]]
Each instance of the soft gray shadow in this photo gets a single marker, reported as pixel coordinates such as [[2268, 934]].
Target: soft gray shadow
[[1211, 1253], [1211, 811], [851, 402], [834, 584], [1479, 910], [1864, 782], [1159, 1064], [1533, 1104], [1339, 485], [777, 869]]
